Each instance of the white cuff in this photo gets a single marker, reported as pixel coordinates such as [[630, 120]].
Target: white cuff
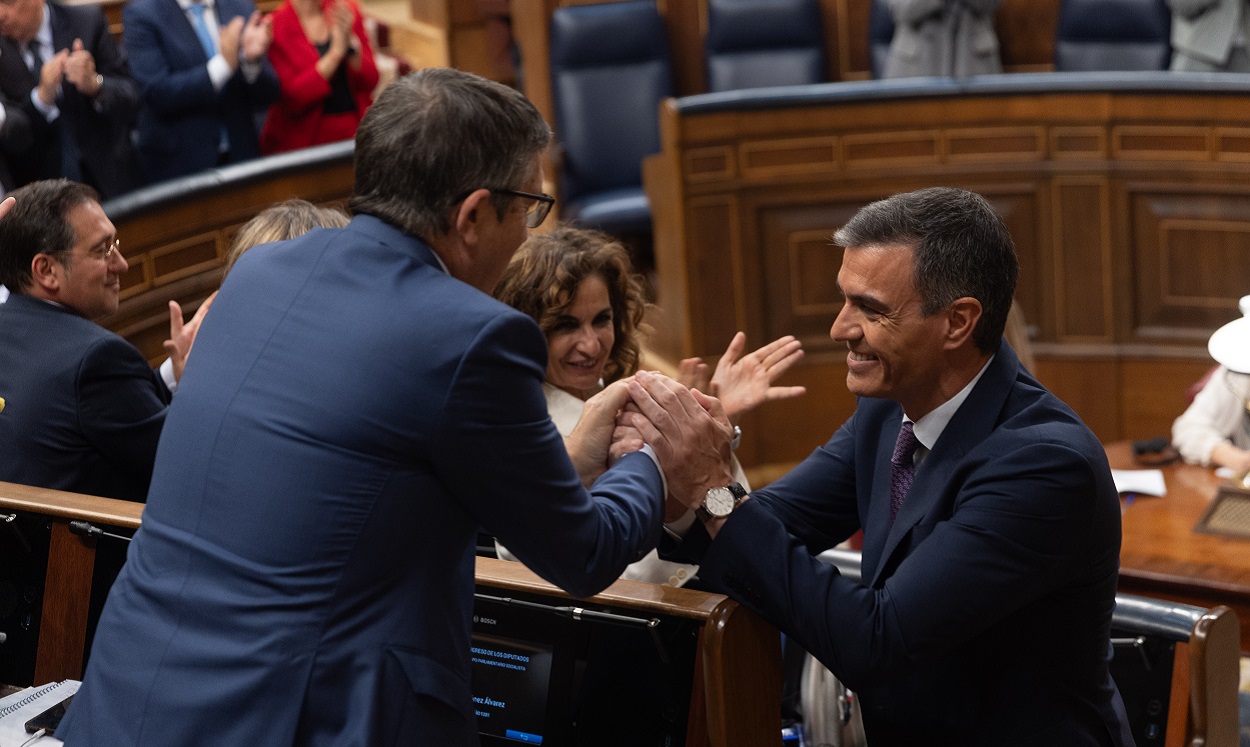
[[167, 375], [218, 71], [677, 528], [251, 70]]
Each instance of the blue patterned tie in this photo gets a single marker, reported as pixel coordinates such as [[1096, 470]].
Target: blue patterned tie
[[904, 467], [201, 30]]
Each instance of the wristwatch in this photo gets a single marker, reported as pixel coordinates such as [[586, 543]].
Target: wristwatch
[[720, 502]]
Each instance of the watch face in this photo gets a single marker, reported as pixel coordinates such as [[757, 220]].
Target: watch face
[[719, 502]]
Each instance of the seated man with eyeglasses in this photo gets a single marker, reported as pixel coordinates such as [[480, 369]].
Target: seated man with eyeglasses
[[81, 410]]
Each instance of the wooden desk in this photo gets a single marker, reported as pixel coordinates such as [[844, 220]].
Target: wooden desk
[[737, 669], [1162, 556]]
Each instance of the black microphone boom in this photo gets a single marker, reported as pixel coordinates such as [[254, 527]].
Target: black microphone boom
[[87, 530]]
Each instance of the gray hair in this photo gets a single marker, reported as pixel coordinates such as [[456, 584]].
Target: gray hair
[[434, 136], [962, 249]]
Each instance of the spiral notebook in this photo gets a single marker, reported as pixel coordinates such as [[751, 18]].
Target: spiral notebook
[[20, 707]]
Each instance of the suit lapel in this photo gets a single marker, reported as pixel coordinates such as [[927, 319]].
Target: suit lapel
[[185, 42], [973, 422], [62, 34], [17, 78]]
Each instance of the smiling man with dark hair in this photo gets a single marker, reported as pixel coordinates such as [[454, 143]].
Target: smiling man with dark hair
[[991, 524], [83, 411]]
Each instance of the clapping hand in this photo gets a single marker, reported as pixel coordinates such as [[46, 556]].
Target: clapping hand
[[256, 37], [80, 70], [743, 382], [50, 76], [182, 335]]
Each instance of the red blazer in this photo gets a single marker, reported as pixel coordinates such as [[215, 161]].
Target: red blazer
[[295, 120]]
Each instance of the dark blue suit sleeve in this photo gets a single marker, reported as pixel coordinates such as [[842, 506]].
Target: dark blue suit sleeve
[[504, 459], [1017, 531], [121, 405], [118, 99], [151, 43]]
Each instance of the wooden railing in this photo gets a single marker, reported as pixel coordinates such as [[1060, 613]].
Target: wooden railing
[[736, 670], [175, 235]]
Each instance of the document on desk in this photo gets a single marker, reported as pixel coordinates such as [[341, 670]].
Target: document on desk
[[1139, 481], [20, 707]]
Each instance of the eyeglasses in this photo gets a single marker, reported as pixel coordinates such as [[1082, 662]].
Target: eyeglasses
[[106, 254], [105, 251], [537, 212]]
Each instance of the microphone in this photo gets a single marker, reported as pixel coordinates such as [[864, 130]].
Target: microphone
[[90, 531]]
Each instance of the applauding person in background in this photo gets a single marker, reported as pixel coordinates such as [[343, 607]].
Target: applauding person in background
[[205, 76], [326, 71]]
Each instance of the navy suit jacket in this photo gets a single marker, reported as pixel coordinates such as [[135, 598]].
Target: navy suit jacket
[[15, 138], [83, 412], [180, 124], [304, 574], [985, 611], [101, 126]]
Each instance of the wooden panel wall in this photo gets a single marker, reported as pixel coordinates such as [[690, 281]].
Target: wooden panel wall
[[1130, 213], [176, 247], [1026, 30]]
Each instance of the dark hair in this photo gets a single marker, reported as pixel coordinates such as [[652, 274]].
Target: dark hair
[[544, 274], [434, 136], [962, 248], [37, 224], [286, 220]]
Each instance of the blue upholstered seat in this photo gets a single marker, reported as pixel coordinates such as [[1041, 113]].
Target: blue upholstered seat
[[880, 34], [1113, 35], [610, 69], [763, 43]]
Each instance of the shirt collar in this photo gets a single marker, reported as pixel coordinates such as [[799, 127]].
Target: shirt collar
[[44, 34], [929, 428], [186, 4]]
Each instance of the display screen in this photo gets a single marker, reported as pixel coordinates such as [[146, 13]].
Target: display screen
[[511, 684], [595, 677]]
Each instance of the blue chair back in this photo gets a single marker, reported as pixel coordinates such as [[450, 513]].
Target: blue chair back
[[610, 69], [762, 43], [880, 34], [1113, 35]]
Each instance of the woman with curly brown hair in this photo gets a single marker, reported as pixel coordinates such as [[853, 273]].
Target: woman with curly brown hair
[[580, 287]]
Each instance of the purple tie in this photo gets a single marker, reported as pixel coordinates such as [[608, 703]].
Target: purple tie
[[904, 467]]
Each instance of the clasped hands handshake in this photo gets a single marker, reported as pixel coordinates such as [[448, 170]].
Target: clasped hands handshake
[[687, 429], [690, 430]]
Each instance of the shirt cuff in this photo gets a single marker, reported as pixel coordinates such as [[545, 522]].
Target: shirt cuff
[[677, 528], [50, 113], [167, 375], [218, 71], [251, 70], [646, 449]]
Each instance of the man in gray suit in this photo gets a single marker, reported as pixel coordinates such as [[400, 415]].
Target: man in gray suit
[[1210, 35]]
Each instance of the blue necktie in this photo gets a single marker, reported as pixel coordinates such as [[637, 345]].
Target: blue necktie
[[210, 49], [201, 30]]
